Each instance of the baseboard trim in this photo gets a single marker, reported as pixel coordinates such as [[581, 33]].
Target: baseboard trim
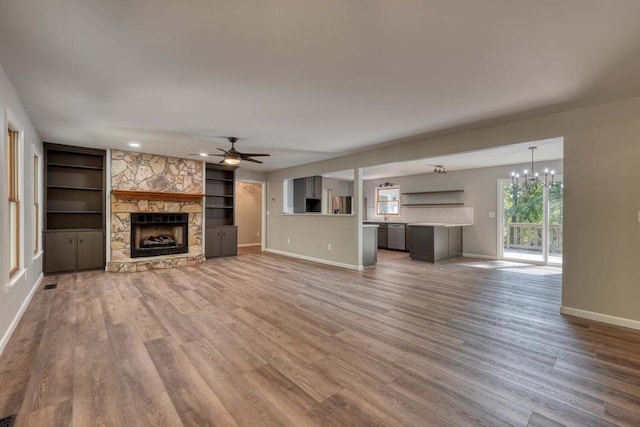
[[14, 323], [247, 245], [468, 255], [599, 317], [316, 260]]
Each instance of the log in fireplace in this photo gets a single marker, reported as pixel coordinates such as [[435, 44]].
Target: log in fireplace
[[155, 234]]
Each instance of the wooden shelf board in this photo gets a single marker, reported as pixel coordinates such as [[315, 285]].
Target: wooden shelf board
[[432, 204], [71, 187], [220, 179], [432, 192], [156, 195], [74, 212], [219, 195], [66, 165]]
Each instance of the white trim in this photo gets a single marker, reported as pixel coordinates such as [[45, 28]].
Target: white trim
[[263, 213], [14, 323], [14, 280], [247, 245], [317, 260], [599, 317], [468, 255]]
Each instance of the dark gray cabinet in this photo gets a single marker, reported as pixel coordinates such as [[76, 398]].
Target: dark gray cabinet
[[74, 206], [73, 250], [220, 233], [435, 243], [307, 194], [382, 236], [221, 241]]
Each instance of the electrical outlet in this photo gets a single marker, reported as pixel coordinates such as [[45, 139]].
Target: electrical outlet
[[329, 246], [492, 214], [638, 216], [258, 234], [288, 240]]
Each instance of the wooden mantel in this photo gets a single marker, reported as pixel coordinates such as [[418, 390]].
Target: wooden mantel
[[156, 195]]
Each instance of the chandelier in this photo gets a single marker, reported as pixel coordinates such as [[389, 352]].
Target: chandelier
[[439, 169], [533, 178]]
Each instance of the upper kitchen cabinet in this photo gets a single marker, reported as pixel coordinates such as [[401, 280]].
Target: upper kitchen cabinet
[[307, 194]]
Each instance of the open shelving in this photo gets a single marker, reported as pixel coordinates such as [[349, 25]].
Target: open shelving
[[435, 198]]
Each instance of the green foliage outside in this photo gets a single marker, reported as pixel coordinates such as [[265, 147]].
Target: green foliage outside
[[526, 206]]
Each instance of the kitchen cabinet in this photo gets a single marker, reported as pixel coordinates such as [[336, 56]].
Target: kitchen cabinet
[[313, 187], [221, 241], [73, 250], [307, 194], [435, 243], [382, 236]]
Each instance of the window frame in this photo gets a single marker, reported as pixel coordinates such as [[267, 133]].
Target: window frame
[[37, 201], [13, 145], [396, 201]]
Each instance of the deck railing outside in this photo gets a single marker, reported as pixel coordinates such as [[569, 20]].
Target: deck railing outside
[[528, 236]]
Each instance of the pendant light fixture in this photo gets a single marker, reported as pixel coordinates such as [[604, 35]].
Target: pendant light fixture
[[533, 178]]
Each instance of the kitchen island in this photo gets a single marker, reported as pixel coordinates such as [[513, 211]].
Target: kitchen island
[[433, 242]]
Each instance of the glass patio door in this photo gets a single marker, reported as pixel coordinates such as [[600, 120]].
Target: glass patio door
[[532, 222]]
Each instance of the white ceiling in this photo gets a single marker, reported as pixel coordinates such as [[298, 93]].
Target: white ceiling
[[306, 80], [548, 149]]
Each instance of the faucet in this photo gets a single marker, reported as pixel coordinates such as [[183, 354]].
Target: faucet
[[385, 217]]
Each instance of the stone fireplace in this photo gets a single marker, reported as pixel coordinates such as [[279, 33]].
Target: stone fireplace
[[156, 187], [159, 234]]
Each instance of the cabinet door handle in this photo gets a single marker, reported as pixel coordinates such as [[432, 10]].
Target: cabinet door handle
[[70, 240], [81, 240]]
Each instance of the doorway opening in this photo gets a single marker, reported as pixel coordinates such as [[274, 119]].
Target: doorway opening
[[250, 214], [532, 222]]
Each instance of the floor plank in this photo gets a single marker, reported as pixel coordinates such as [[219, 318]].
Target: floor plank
[[261, 339]]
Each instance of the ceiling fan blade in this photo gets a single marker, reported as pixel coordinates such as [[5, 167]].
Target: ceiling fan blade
[[251, 160], [206, 154], [254, 154]]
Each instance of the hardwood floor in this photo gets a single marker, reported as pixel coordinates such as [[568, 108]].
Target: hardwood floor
[[265, 340]]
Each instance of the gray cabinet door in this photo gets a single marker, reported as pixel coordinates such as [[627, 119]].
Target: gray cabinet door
[[212, 242], [229, 241], [396, 236], [90, 250], [59, 252], [382, 238], [422, 243]]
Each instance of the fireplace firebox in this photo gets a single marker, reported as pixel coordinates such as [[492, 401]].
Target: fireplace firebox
[[155, 234]]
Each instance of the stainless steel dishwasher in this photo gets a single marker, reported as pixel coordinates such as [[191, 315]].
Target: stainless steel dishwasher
[[396, 236]]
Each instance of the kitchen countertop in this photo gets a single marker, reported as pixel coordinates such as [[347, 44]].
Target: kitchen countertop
[[418, 224], [370, 226], [435, 224]]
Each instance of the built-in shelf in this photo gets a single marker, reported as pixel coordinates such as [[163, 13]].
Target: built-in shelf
[[156, 195], [409, 205], [432, 192], [220, 179], [65, 165], [72, 187], [74, 212]]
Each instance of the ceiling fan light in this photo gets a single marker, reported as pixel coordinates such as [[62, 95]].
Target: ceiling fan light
[[231, 161], [204, 154]]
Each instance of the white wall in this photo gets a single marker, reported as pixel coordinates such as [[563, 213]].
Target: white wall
[[249, 212], [15, 293], [601, 199], [480, 193]]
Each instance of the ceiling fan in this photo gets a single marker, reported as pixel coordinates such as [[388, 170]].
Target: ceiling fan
[[233, 156]]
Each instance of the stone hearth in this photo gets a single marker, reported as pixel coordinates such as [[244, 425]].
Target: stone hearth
[[146, 172]]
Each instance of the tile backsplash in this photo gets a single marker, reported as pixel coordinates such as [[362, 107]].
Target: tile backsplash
[[461, 215]]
